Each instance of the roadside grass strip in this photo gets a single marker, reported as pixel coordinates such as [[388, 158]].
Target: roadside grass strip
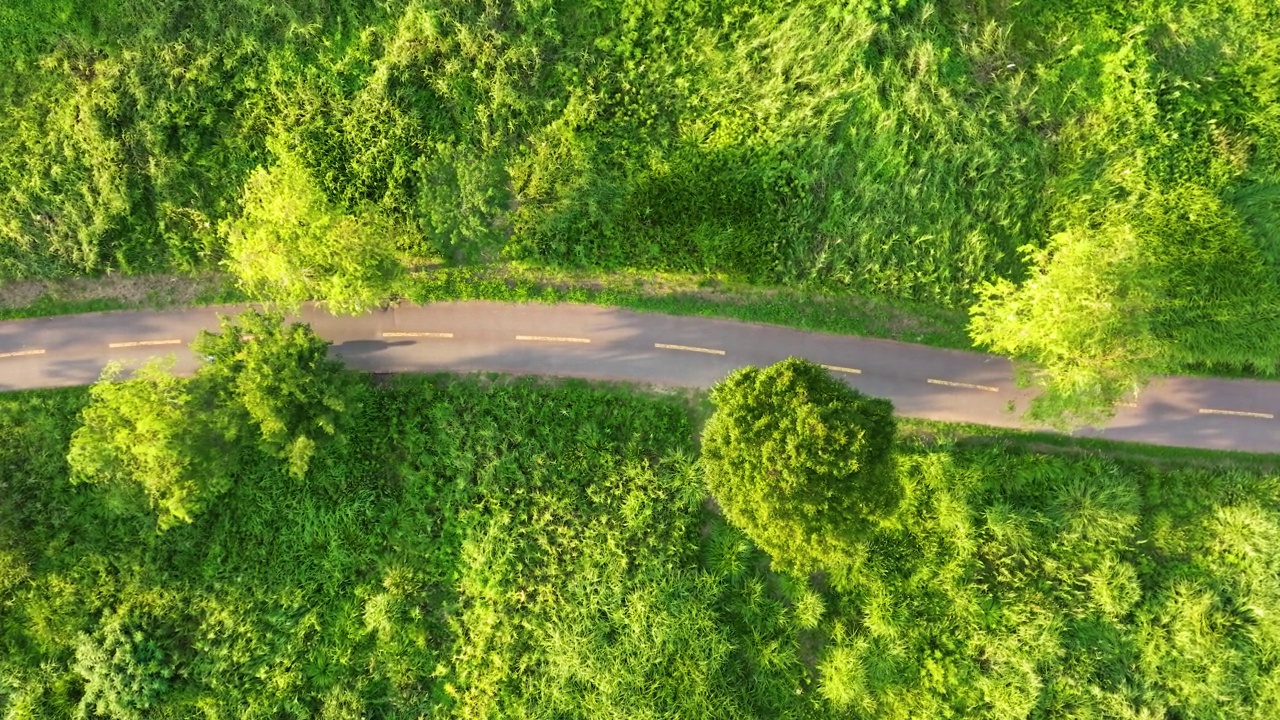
[[21, 353], [1237, 413], [688, 348], [552, 338], [968, 386], [143, 343]]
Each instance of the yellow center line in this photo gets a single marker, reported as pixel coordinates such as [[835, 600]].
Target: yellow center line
[[837, 368], [21, 353], [1237, 413], [141, 343], [688, 348], [552, 338], [970, 386], [417, 334]]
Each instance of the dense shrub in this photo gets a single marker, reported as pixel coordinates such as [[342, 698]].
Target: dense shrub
[[801, 462], [906, 149]]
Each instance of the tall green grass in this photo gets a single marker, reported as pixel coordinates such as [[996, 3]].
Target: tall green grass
[[483, 547], [899, 149]]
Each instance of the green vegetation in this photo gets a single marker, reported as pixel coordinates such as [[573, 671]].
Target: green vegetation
[[290, 246], [158, 433], [1112, 305], [176, 438], [801, 462], [947, 153], [485, 547], [280, 379]]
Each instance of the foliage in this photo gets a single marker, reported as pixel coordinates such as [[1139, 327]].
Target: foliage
[[289, 245], [1108, 307], [283, 379], [800, 461], [489, 547], [127, 663], [155, 431], [180, 440]]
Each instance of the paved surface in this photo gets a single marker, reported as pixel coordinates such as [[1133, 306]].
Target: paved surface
[[609, 344]]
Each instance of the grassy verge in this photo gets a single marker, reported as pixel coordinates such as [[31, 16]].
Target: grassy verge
[[45, 298], [946, 434], [648, 292]]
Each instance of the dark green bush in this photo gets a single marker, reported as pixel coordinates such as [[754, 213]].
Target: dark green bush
[[801, 462]]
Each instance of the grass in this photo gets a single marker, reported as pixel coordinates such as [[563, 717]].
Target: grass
[[45, 298], [901, 151], [490, 546]]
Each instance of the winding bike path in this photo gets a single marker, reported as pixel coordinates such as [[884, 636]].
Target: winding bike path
[[610, 344]]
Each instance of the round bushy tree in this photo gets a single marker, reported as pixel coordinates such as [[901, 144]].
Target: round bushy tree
[[800, 461]]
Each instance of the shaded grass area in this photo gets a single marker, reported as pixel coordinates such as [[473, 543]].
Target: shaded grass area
[[489, 546]]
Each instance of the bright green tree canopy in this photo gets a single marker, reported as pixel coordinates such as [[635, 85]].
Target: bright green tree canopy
[[282, 377], [290, 244], [1171, 281], [181, 440], [157, 431]]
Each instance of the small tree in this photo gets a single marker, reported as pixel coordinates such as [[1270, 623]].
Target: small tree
[[130, 662], [801, 462], [1081, 318], [157, 431], [290, 244], [180, 440], [1168, 280], [281, 377]]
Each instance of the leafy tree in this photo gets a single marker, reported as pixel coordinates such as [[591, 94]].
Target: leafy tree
[[180, 440], [1080, 318], [159, 432], [290, 244], [281, 377], [800, 461], [1170, 280]]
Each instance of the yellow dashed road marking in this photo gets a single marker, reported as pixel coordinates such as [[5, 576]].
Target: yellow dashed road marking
[[418, 334], [1237, 413], [688, 348], [837, 368], [143, 343], [552, 338], [969, 386], [21, 353]]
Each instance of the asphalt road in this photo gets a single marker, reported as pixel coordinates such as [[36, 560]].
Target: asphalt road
[[610, 344]]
